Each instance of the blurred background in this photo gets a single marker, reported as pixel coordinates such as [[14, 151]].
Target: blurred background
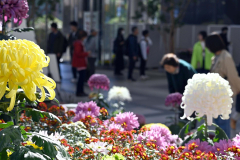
[[183, 19]]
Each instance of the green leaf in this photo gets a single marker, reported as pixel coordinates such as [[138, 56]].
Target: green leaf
[[37, 114], [175, 128], [24, 133], [22, 29], [50, 147], [185, 130], [10, 135], [219, 134], [29, 153], [5, 125], [3, 154]]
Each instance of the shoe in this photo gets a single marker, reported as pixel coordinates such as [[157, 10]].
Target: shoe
[[132, 79], [81, 95], [74, 80], [233, 124]]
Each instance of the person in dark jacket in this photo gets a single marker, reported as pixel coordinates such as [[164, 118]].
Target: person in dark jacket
[[132, 51], [80, 62], [224, 37], [55, 44], [178, 72], [72, 38], [119, 44]]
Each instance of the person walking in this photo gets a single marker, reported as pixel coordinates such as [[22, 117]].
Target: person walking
[[80, 62], [201, 57], [56, 44], [72, 38], [224, 37], [91, 45], [132, 52], [224, 65], [178, 73], [145, 43], [119, 49]]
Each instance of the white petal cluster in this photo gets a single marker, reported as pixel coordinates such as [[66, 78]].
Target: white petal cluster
[[207, 94], [119, 94]]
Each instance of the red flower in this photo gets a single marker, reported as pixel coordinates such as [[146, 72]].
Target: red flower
[[115, 149], [27, 128], [70, 150], [2, 121], [192, 146], [64, 142], [71, 113], [164, 157], [87, 152], [42, 106], [170, 150], [104, 112]]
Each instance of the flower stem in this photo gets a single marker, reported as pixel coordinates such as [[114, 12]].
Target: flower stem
[[16, 117], [206, 127]]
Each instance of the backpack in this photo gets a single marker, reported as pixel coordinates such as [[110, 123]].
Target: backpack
[[65, 44]]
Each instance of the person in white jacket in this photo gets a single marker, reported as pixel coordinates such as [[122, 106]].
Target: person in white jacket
[[145, 43]]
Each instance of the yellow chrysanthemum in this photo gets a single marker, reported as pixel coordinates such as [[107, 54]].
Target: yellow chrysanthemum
[[29, 143], [157, 124], [21, 63], [9, 153]]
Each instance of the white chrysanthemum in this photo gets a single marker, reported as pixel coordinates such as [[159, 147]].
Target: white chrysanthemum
[[119, 94], [208, 95]]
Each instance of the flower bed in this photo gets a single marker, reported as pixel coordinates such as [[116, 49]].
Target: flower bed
[[36, 127]]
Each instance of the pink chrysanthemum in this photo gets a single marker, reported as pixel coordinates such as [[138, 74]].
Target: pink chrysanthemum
[[162, 136], [174, 99], [141, 119], [127, 120], [99, 81], [16, 9], [115, 127], [202, 146], [236, 140], [222, 146], [82, 115], [85, 109]]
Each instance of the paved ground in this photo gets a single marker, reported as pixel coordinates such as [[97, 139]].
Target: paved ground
[[148, 96]]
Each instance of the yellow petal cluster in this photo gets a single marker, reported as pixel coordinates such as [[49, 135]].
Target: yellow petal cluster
[[29, 143], [21, 63]]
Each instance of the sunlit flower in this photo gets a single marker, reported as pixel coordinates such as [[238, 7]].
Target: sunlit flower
[[161, 136], [21, 65], [99, 81], [119, 94], [86, 109], [127, 120], [208, 95], [54, 136], [99, 147]]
